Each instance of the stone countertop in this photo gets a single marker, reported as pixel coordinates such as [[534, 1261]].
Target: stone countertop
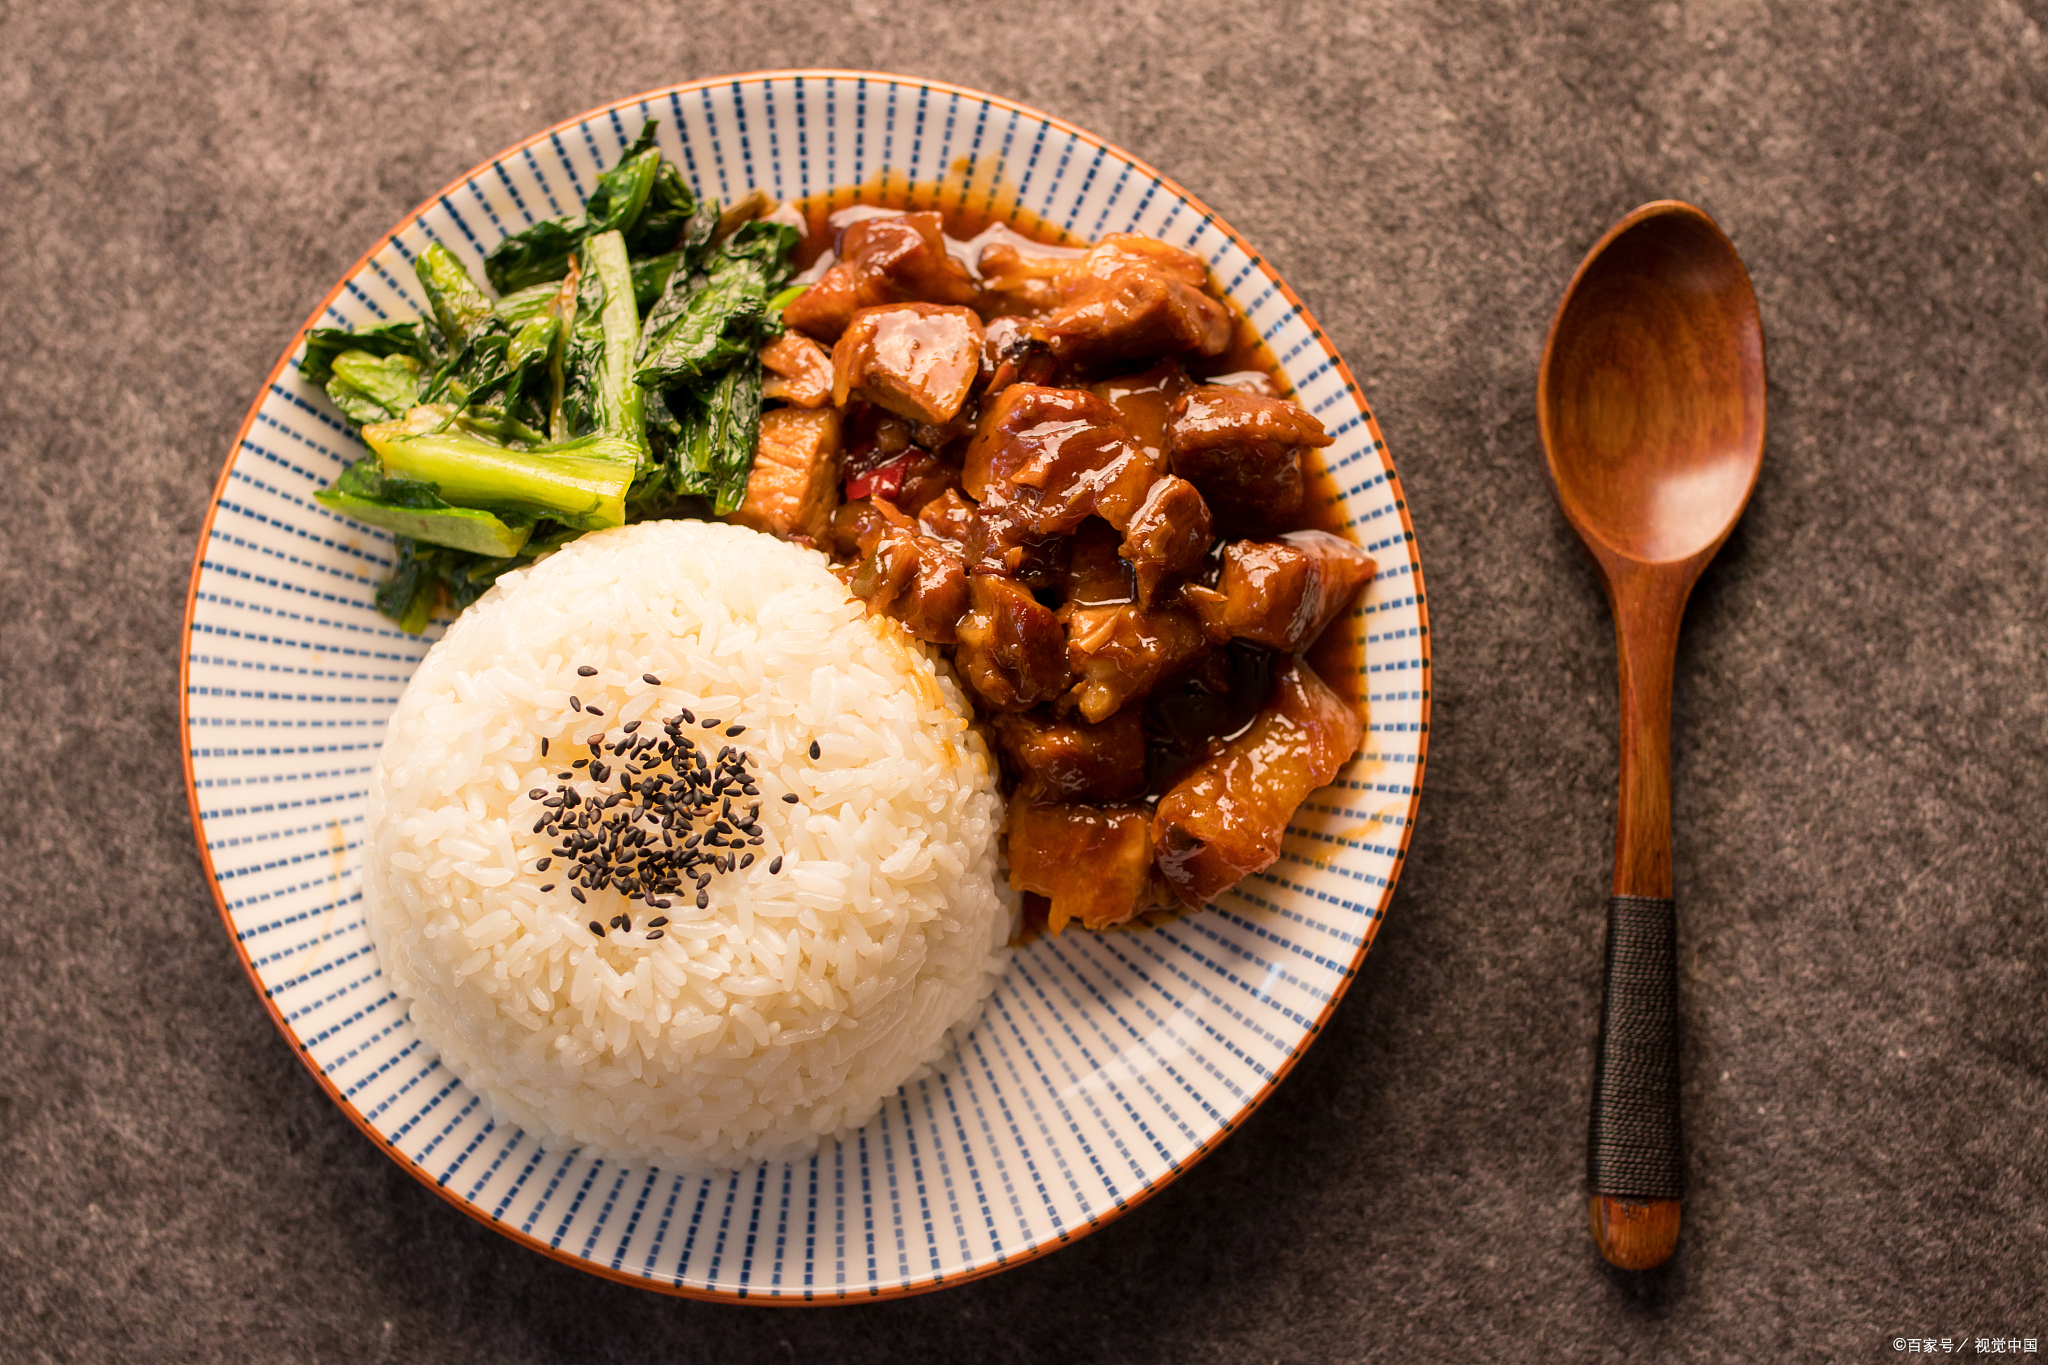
[[1862, 702]]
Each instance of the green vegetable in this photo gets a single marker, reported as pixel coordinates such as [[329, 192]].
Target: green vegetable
[[459, 306], [529, 303], [370, 388], [720, 436], [578, 483], [651, 277], [408, 596], [704, 324], [539, 254], [642, 197], [790, 294], [417, 339], [617, 373], [599, 393], [620, 195], [417, 511]]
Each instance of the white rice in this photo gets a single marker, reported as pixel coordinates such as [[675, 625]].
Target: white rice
[[796, 1003]]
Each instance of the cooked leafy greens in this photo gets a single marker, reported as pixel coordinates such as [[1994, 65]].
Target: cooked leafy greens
[[615, 377]]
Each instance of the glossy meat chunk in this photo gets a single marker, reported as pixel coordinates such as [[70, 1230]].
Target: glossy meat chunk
[[917, 360], [1169, 535], [1010, 354], [1012, 651], [798, 371], [1243, 451], [1073, 759], [914, 578], [1094, 862], [1046, 459], [948, 517], [1224, 819], [1134, 298], [897, 258], [1144, 401], [1121, 652], [794, 486], [1282, 593]]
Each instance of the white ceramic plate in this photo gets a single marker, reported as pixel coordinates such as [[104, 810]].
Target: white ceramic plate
[[1105, 1066]]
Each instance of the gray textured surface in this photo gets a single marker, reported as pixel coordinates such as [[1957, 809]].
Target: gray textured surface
[[1862, 793]]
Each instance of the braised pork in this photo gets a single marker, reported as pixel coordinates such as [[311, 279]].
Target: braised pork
[[1095, 863], [1134, 298], [794, 485], [1243, 451], [912, 577], [1168, 536], [896, 258], [1281, 593], [1012, 651], [1224, 819], [917, 360], [1071, 759], [798, 371], [1121, 652]]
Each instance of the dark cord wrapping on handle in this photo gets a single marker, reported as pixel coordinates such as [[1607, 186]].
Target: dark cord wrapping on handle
[[1632, 1151]]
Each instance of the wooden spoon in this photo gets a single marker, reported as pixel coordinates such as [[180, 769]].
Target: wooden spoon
[[1651, 401]]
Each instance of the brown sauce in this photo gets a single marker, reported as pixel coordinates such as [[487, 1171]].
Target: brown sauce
[[968, 206]]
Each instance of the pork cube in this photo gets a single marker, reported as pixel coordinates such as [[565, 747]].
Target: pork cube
[[1168, 536], [1225, 817], [1243, 451], [799, 371], [917, 360], [1073, 759], [1012, 651], [1132, 298], [1282, 594], [1094, 862], [893, 258], [794, 486]]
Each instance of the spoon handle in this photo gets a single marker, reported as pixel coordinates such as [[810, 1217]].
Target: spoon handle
[[1634, 1163]]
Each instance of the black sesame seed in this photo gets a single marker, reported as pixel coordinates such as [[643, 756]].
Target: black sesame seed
[[630, 726], [658, 920], [650, 680], [580, 763], [577, 892], [775, 865], [815, 750], [593, 710], [654, 935], [540, 824], [732, 730], [711, 724], [747, 861], [543, 746], [542, 865], [537, 793], [586, 672], [575, 702], [618, 921], [685, 717], [703, 900], [791, 797], [548, 887]]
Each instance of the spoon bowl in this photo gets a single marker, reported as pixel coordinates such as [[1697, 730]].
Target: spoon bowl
[[1651, 393], [1651, 403]]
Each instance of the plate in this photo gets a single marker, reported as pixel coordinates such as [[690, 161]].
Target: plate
[[1104, 1066]]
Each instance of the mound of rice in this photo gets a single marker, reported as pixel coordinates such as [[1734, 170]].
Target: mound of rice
[[795, 1003]]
